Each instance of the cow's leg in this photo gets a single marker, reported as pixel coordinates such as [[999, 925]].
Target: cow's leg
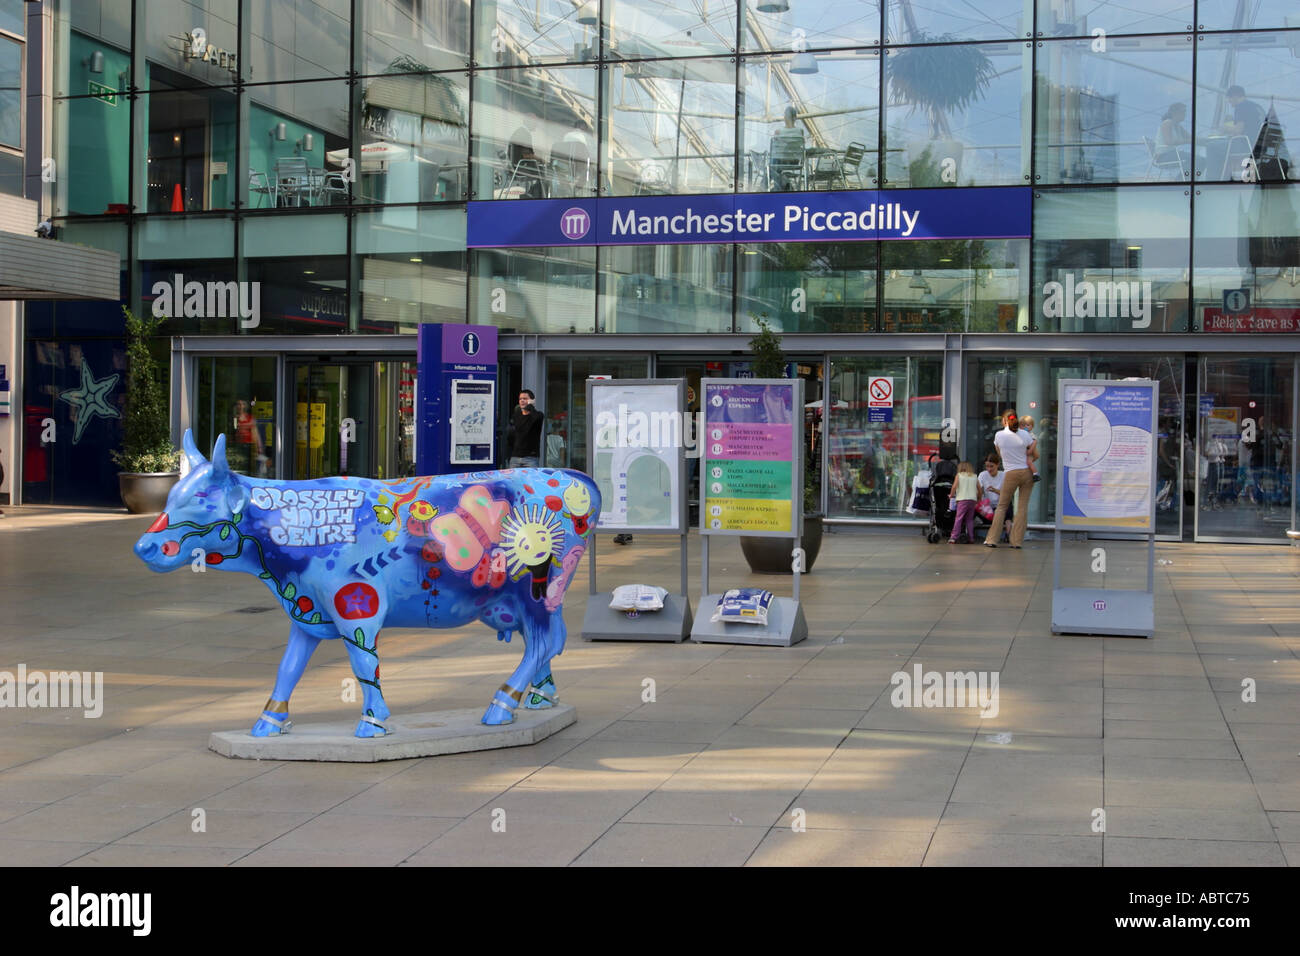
[[275, 716], [508, 696], [541, 690], [363, 652]]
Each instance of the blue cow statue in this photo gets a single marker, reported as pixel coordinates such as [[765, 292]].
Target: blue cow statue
[[346, 556]]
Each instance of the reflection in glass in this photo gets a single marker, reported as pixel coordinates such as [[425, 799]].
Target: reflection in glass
[[1247, 245], [1235, 15], [190, 158], [1079, 18], [292, 40], [665, 288], [11, 90], [1247, 106], [535, 290], [543, 31], [1244, 448], [947, 21], [397, 36], [954, 285], [1099, 114], [1027, 384], [534, 133], [829, 23], [808, 287], [671, 127], [297, 142], [647, 29], [178, 56], [236, 396], [301, 294], [809, 131], [92, 156], [955, 115], [1111, 260], [872, 463], [414, 140], [410, 266]]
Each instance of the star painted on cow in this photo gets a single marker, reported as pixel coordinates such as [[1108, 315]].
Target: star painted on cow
[[91, 400], [356, 600]]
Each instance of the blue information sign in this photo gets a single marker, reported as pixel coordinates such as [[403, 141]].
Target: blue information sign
[[854, 216], [454, 414]]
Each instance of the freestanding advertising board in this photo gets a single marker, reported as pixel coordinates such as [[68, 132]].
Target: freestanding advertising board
[[637, 434], [751, 483], [1105, 481]]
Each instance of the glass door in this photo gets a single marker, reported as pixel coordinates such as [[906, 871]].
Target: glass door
[[1244, 449], [333, 426]]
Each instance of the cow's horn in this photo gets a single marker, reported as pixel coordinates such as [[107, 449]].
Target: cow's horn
[[192, 453], [220, 467]]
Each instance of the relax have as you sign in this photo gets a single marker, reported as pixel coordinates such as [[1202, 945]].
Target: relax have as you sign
[[853, 216]]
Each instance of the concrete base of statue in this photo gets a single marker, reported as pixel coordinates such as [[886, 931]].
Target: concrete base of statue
[[413, 735]]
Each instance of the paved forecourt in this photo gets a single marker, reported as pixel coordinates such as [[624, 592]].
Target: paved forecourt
[[1179, 750]]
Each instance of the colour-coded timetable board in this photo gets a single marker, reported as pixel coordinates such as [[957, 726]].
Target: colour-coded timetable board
[[751, 480]]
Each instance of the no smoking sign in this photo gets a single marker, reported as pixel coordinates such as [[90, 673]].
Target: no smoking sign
[[880, 398]]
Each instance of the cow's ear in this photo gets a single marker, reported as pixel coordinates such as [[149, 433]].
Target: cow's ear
[[236, 497], [220, 467], [192, 454]]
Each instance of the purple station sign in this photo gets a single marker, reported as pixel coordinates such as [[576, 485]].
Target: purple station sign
[[853, 216]]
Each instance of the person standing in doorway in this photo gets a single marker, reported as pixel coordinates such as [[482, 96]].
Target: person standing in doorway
[[524, 435], [1013, 450]]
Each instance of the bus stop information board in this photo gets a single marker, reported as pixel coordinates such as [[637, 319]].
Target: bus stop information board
[[751, 480], [1107, 456]]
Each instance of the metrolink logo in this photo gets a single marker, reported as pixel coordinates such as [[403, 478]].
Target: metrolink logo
[[82, 690], [949, 689], [1102, 300], [74, 908], [630, 428], [209, 300]]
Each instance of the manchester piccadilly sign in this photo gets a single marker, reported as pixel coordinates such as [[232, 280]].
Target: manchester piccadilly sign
[[858, 216]]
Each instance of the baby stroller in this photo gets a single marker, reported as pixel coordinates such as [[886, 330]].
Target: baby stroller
[[944, 475]]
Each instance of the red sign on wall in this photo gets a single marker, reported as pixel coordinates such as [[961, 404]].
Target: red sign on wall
[[1256, 320]]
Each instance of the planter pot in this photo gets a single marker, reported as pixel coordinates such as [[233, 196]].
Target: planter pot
[[773, 555], [146, 494]]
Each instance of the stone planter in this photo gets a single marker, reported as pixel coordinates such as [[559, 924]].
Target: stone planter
[[146, 493], [773, 555]]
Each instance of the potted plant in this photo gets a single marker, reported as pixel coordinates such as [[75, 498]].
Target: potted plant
[[774, 555], [938, 80], [150, 463]]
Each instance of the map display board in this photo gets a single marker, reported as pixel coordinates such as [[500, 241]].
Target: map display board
[[1107, 455], [751, 463], [638, 430], [473, 423]]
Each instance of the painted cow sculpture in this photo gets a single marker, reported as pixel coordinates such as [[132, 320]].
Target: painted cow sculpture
[[346, 556]]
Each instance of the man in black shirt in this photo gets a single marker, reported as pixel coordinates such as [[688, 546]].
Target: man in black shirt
[[524, 434]]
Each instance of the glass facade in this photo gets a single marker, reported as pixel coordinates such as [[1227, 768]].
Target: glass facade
[[328, 151]]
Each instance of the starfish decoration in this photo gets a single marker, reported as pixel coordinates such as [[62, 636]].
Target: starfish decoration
[[357, 601], [91, 400]]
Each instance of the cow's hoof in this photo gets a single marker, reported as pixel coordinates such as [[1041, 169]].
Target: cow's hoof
[[268, 726], [369, 726], [497, 714], [541, 696]]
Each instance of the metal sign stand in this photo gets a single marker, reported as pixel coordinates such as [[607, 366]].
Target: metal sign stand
[[671, 623], [786, 624], [1117, 612]]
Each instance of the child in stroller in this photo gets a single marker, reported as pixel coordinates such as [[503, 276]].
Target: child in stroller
[[944, 474]]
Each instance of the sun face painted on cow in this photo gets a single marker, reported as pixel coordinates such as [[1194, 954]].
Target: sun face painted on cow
[[532, 537]]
